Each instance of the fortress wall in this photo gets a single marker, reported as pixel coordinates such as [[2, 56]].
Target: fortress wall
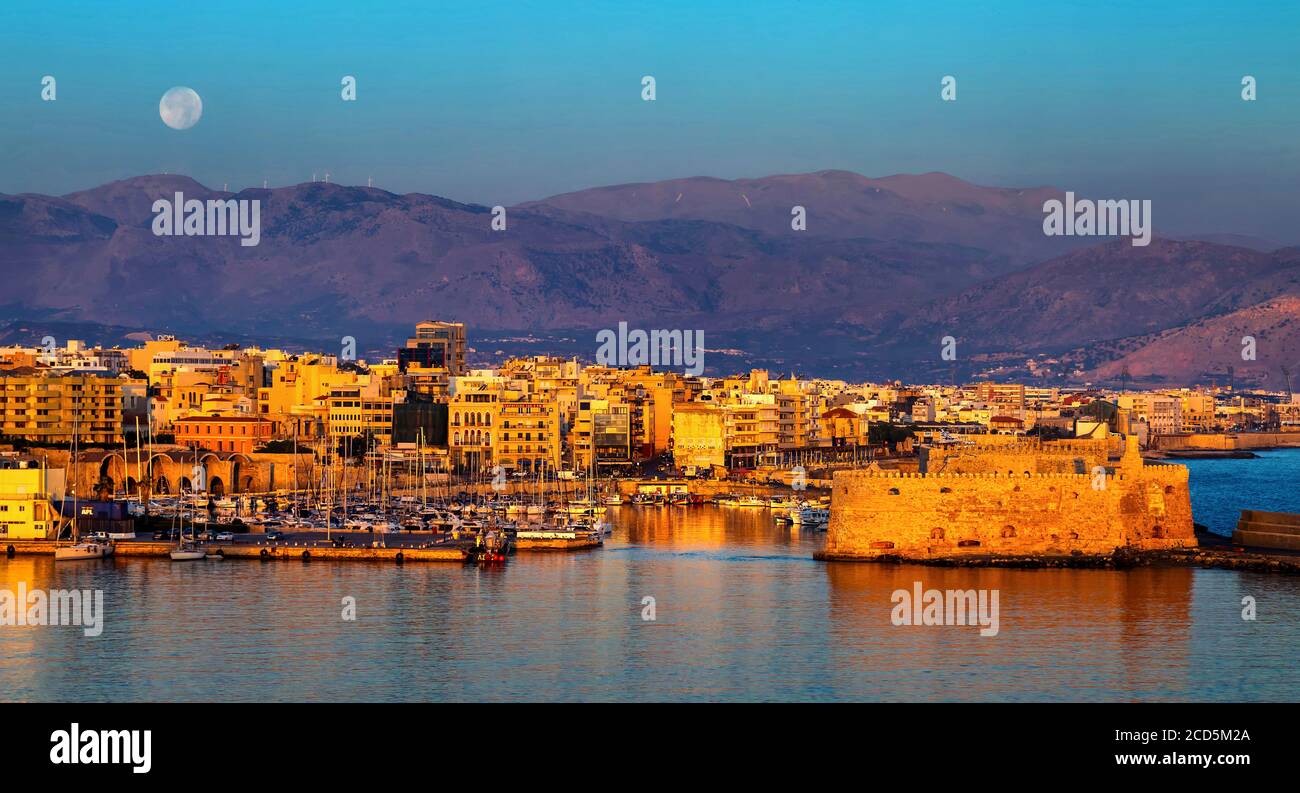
[[1026, 456], [882, 513]]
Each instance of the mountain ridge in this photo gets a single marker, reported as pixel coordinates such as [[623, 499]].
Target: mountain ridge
[[887, 267]]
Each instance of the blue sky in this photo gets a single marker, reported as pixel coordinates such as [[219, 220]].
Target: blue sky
[[508, 101]]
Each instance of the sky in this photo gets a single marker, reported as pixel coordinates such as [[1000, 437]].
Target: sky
[[501, 102]]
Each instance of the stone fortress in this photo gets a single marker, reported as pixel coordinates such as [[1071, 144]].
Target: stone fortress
[[1007, 497]]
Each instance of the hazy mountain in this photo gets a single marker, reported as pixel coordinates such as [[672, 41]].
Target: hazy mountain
[[1235, 240], [931, 207], [1206, 348], [1106, 292], [886, 269], [336, 260]]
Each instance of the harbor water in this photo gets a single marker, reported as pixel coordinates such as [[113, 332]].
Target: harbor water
[[698, 603]]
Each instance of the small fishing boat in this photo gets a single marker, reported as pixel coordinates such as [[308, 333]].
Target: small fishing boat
[[814, 516]]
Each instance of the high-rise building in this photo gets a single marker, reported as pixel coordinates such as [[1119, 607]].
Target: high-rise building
[[432, 356]]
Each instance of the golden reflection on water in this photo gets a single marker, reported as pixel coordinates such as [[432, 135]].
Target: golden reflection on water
[[743, 612], [1077, 626]]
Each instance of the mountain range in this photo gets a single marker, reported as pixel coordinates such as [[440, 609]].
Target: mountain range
[[886, 268]]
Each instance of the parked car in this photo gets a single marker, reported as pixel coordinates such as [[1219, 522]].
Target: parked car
[[165, 534], [275, 534], [226, 536]]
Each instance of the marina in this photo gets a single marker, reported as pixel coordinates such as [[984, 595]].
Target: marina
[[741, 607]]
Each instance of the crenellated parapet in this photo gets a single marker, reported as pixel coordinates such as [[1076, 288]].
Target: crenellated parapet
[[1010, 512]]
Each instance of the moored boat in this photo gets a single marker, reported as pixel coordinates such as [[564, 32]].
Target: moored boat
[[188, 553], [91, 549]]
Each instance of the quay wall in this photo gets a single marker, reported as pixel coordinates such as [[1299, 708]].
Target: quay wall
[[1260, 529], [1227, 441], [280, 552]]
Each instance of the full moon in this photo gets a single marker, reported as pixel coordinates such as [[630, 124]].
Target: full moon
[[180, 107]]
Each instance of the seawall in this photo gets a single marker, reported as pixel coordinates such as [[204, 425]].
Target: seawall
[[1010, 512]]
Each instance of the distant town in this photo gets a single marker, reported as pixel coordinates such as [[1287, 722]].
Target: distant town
[[551, 414]]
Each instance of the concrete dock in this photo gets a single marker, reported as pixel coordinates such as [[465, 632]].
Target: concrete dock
[[1260, 529], [405, 547], [267, 552]]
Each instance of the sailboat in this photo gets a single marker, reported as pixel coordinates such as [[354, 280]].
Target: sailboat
[[89, 549], [536, 508], [186, 551]]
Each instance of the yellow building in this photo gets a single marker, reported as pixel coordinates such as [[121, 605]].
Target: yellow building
[[47, 408], [362, 410], [25, 509], [296, 396], [848, 425], [796, 414], [528, 433], [491, 425], [434, 355], [699, 435], [471, 425], [1196, 411], [602, 435], [753, 429], [141, 358]]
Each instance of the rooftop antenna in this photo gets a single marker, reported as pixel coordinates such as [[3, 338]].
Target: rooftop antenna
[[370, 181], [327, 177], [313, 177], [263, 184]]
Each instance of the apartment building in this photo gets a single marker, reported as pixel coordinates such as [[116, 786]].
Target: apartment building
[[38, 406]]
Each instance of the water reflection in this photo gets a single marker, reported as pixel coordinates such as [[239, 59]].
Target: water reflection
[[742, 613]]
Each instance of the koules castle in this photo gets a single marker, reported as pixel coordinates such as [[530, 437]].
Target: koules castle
[[1012, 497]]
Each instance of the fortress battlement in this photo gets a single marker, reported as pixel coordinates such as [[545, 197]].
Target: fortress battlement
[[1149, 471], [1034, 509]]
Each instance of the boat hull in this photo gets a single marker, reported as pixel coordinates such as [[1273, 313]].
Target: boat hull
[[87, 550]]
